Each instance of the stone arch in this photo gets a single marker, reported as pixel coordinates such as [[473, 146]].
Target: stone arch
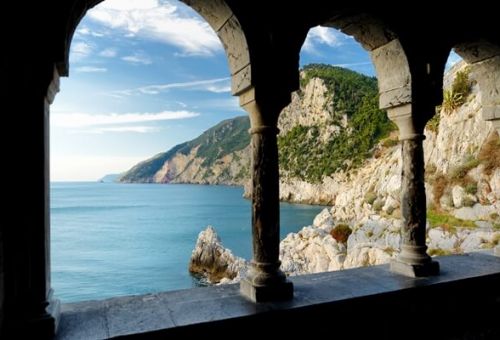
[[390, 61], [483, 57]]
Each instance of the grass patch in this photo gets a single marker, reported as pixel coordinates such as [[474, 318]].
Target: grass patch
[[439, 219], [458, 173], [439, 252]]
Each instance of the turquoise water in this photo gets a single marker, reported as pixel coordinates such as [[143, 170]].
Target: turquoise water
[[121, 239]]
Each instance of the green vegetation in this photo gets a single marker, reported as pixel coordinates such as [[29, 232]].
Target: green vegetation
[[471, 188], [447, 222], [439, 252], [303, 156], [457, 94], [341, 232], [433, 123], [348, 88], [390, 142], [458, 173]]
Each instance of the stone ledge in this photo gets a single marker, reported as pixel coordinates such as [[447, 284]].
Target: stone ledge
[[322, 302]]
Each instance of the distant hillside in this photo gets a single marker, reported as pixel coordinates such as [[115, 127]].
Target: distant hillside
[[316, 138], [217, 156], [110, 178]]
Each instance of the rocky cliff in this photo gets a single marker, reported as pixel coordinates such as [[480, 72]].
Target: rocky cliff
[[218, 156], [462, 153], [331, 124]]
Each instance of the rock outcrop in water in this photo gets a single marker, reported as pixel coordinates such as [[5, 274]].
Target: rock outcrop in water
[[212, 262]]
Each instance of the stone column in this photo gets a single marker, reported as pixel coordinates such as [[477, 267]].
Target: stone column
[[264, 280], [30, 310], [413, 260]]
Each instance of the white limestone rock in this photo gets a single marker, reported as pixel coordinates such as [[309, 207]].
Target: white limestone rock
[[311, 250], [212, 261], [458, 195], [437, 238], [477, 212], [324, 219]]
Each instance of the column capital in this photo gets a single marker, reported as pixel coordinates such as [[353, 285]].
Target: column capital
[[53, 88], [264, 129], [402, 117]]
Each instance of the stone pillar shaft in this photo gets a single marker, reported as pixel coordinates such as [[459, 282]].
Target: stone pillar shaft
[[413, 259], [265, 195], [264, 280], [413, 202]]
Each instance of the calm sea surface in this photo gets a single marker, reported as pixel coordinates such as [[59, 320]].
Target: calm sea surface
[[121, 239]]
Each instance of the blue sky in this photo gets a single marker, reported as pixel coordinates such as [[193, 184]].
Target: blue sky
[[146, 75]]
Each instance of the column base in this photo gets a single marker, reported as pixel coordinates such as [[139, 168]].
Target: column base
[[45, 326], [276, 292], [430, 268]]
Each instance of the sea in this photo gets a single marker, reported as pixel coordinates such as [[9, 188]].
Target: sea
[[113, 239]]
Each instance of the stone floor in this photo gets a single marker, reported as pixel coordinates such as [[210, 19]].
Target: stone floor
[[377, 302]]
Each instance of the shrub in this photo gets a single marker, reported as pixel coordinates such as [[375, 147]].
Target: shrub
[[468, 202], [457, 94], [489, 155], [433, 123], [471, 188], [341, 232], [440, 184], [461, 83], [459, 172], [494, 216]]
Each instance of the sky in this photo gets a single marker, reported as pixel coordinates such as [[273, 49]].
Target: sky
[[146, 75]]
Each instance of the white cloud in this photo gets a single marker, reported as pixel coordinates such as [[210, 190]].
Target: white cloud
[[80, 50], [217, 85], [164, 22], [90, 69], [320, 35], [138, 59], [132, 128], [80, 120], [85, 31], [108, 53]]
